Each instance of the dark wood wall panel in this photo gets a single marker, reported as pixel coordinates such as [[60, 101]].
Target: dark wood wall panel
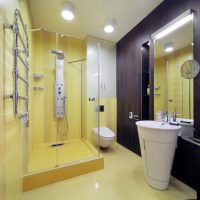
[[129, 65]]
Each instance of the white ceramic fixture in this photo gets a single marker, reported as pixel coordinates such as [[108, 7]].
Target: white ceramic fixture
[[103, 136], [187, 127], [158, 143]]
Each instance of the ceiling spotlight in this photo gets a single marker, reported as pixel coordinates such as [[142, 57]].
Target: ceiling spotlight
[[67, 11], [169, 47], [109, 26]]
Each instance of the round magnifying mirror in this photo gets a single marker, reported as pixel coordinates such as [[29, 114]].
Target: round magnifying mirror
[[190, 69]]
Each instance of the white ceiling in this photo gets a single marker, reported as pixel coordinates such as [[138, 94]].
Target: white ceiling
[[91, 15]]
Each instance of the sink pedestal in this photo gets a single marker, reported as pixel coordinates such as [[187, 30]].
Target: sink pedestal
[[158, 143]]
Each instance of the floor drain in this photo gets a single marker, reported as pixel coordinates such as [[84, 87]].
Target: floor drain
[[57, 145]]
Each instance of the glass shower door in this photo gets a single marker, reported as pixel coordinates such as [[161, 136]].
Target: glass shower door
[[81, 117]]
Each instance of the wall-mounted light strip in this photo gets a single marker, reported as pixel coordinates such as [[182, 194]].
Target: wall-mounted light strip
[[173, 25]]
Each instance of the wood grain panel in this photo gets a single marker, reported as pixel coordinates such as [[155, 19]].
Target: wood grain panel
[[129, 67], [129, 64]]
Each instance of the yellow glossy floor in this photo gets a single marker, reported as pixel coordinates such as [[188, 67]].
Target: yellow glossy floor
[[44, 156], [122, 179]]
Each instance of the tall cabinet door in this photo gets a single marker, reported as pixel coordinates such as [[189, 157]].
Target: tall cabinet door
[[128, 96], [135, 89], [108, 67], [101, 62]]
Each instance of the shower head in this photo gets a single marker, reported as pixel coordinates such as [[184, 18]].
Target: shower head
[[59, 54]]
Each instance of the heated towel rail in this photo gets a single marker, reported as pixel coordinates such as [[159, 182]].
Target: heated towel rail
[[21, 56]]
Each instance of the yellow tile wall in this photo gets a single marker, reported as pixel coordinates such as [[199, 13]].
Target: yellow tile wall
[[159, 81], [2, 133], [178, 87], [44, 122], [11, 130]]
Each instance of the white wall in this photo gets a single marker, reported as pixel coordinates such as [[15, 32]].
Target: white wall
[[101, 63]]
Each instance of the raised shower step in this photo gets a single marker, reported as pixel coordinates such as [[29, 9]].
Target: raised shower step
[[40, 179]]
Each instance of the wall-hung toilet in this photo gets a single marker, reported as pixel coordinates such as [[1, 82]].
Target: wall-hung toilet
[[105, 138]]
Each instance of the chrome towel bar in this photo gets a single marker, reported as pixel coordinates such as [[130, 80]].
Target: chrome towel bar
[[18, 26]]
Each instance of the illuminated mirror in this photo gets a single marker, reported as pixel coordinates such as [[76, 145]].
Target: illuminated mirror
[[173, 46]]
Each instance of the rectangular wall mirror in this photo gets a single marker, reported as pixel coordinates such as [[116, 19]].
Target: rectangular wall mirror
[[173, 46]]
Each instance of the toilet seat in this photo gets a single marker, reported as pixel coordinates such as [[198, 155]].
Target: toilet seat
[[105, 133], [105, 138]]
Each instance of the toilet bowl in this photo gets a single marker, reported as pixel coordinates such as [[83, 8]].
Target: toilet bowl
[[105, 138]]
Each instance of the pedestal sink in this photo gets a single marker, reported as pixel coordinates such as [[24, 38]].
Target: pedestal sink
[[158, 142]]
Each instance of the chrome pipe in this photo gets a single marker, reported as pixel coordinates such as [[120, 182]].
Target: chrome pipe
[[23, 51], [8, 26], [23, 98], [22, 79], [23, 62], [8, 96], [17, 13], [22, 41], [15, 71]]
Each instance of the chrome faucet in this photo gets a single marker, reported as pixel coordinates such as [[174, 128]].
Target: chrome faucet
[[174, 116], [167, 116]]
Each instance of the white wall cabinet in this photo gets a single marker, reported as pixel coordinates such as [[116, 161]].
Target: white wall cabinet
[[101, 68]]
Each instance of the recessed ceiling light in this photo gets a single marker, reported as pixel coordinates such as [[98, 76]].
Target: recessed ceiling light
[[67, 11], [109, 26], [169, 47]]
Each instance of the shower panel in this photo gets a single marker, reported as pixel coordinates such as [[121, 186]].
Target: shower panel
[[59, 97]]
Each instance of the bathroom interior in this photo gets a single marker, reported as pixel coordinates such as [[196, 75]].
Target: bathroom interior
[[82, 104]]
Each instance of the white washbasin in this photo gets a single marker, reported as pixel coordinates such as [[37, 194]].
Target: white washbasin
[[158, 143], [157, 125], [187, 127]]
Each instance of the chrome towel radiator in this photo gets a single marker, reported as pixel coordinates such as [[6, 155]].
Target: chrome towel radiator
[[19, 31]]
